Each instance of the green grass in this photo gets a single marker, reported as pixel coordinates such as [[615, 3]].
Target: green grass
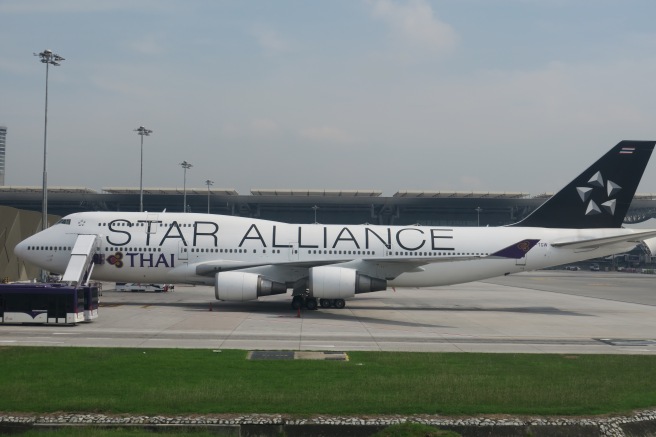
[[178, 381]]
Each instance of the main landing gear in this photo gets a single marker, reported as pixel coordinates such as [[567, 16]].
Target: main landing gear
[[311, 303]]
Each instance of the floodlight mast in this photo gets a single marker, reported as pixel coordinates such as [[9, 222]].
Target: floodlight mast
[[48, 58], [142, 131], [315, 207], [186, 166], [208, 183]]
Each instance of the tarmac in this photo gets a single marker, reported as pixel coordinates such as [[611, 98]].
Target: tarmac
[[560, 312]]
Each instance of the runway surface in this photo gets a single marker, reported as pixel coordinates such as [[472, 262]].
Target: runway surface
[[540, 312]]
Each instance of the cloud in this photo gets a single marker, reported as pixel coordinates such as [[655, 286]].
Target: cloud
[[415, 22], [264, 126], [121, 85], [270, 40], [326, 134], [67, 6], [253, 129], [148, 45], [15, 67], [470, 182], [133, 80]]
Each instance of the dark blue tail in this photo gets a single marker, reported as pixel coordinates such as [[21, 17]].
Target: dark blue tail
[[600, 196]]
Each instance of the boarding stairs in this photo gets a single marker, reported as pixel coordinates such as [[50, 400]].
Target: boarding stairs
[[81, 263]]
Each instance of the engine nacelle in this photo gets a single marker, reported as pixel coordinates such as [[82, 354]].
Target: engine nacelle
[[330, 282], [240, 286]]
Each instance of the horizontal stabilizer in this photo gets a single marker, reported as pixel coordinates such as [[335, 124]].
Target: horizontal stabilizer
[[593, 243], [649, 243], [517, 250]]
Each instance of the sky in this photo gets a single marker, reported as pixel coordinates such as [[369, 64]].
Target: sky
[[389, 95]]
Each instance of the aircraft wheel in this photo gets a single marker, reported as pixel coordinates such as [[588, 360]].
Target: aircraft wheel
[[325, 303], [297, 302], [339, 303], [311, 304]]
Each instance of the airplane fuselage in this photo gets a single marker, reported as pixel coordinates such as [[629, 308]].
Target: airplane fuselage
[[191, 248]]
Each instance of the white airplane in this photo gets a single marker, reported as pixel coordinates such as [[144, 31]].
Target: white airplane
[[323, 265]]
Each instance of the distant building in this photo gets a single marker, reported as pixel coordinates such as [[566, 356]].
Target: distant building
[[3, 144]]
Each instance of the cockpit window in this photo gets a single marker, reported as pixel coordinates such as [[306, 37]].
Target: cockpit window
[[64, 222]]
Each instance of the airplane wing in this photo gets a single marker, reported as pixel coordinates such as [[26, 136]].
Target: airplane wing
[[211, 268], [391, 266], [594, 243]]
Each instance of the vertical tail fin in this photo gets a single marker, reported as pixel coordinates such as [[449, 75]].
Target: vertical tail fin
[[600, 196]]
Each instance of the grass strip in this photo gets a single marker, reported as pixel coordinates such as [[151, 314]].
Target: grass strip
[[184, 381]]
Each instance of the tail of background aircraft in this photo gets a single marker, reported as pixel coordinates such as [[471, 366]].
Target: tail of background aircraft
[[600, 196]]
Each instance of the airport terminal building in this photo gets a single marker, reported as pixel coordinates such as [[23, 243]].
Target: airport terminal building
[[435, 208], [20, 208]]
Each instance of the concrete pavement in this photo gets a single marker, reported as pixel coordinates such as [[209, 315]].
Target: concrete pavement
[[540, 312]]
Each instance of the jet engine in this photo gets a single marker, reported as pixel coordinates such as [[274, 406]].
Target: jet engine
[[330, 282], [241, 286]]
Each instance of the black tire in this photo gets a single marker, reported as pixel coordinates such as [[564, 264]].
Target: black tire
[[339, 303], [325, 303], [311, 304], [297, 302]]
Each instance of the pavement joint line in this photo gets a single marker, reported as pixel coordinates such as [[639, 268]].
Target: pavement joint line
[[364, 325], [229, 336]]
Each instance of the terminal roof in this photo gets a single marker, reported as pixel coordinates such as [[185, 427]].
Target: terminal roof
[[130, 190], [312, 192], [462, 194], [35, 189]]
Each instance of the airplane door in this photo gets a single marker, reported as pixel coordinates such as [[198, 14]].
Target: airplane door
[[293, 251], [183, 251], [153, 224]]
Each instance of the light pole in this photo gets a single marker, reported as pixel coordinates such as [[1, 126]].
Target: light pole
[[185, 165], [48, 58], [142, 131], [208, 182], [478, 215]]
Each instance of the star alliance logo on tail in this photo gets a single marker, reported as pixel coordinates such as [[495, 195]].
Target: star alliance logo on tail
[[597, 181]]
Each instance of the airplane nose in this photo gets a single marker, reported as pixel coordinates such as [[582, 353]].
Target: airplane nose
[[21, 249]]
